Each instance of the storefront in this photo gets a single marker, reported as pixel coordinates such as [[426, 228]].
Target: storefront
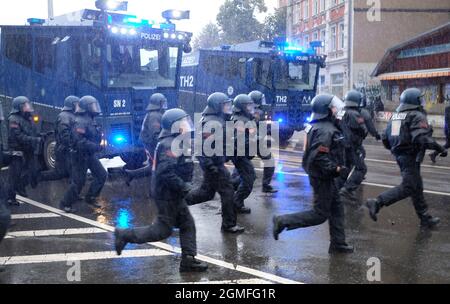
[[422, 62]]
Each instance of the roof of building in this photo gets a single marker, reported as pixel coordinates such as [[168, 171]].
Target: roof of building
[[392, 53]]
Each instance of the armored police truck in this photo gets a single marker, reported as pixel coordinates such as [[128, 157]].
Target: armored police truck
[[287, 75], [117, 58]]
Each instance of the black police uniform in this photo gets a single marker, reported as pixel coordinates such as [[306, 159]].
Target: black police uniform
[[170, 184], [64, 141], [23, 141], [151, 128], [407, 136], [245, 127], [216, 177], [322, 160], [86, 144]]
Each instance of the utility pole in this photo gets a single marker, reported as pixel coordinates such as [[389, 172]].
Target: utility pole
[[50, 10]]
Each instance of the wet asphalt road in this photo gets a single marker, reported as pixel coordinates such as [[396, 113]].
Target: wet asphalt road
[[43, 242]]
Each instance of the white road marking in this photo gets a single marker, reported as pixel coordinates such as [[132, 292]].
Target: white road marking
[[243, 281], [80, 256], [53, 232], [165, 246], [33, 216]]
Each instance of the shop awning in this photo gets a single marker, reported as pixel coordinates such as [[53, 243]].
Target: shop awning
[[416, 74]]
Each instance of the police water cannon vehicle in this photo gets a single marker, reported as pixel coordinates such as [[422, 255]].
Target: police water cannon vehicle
[[116, 57], [286, 74]]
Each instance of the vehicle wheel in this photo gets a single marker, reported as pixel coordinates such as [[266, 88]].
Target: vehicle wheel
[[134, 160], [49, 153]]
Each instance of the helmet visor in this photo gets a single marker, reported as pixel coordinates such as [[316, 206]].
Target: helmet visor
[[250, 108], [336, 105], [94, 108], [164, 105], [227, 108], [27, 108], [185, 125]]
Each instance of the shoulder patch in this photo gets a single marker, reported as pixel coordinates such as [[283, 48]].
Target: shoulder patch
[[14, 125], [423, 125], [361, 120], [324, 149]]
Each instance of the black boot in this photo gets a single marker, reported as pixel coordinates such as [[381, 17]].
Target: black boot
[[122, 238], [278, 227], [341, 248], [67, 209], [269, 189], [428, 221], [13, 202], [433, 157], [190, 264], [234, 229], [130, 175], [374, 207]]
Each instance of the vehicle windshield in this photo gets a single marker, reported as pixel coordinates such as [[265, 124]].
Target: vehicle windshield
[[141, 66], [296, 76]]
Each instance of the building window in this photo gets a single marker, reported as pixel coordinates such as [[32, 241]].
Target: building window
[[316, 36], [306, 9], [296, 13], [333, 38], [337, 84], [316, 7], [307, 41], [323, 38], [342, 36], [322, 5]]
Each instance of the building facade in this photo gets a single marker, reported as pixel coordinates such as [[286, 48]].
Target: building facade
[[357, 34]]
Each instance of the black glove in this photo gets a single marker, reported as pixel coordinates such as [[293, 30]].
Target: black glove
[[444, 154], [344, 172], [378, 137]]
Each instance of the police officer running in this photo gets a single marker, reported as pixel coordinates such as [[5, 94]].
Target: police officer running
[[269, 162], [216, 177], [245, 133], [151, 127], [5, 214], [64, 141], [323, 162], [408, 136], [172, 172], [86, 144], [354, 125], [23, 142]]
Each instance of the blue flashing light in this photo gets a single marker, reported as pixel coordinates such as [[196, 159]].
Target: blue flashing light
[[119, 139], [280, 120], [309, 119], [35, 21], [167, 26], [124, 218]]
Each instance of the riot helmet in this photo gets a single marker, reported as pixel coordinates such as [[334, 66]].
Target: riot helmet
[[411, 99], [89, 104], [157, 102], [218, 103], [325, 105], [353, 99], [176, 121], [244, 104], [70, 103], [258, 98], [22, 104]]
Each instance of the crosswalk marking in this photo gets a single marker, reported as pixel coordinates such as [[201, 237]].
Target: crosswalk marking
[[33, 216], [81, 256], [53, 232]]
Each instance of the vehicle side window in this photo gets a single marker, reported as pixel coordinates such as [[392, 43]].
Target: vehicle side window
[[45, 55], [17, 49], [233, 67]]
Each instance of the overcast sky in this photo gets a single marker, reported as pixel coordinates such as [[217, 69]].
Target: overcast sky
[[202, 11]]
